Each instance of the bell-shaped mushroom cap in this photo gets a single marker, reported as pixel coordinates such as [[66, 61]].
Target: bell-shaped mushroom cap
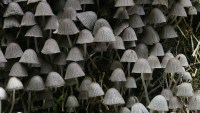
[[43, 9], [130, 82], [75, 54], [119, 28], [50, 47], [166, 58], [160, 2], [187, 76], [156, 16], [118, 75], [154, 62], [104, 34], [10, 22], [167, 93], [121, 13], [29, 56], [6, 1], [101, 47], [135, 21], [60, 59], [13, 8], [33, 1], [124, 3], [158, 103], [95, 90], [87, 1], [129, 34], [75, 4], [175, 103], [131, 101], [139, 108], [87, 81], [69, 13], [168, 32], [14, 84], [35, 84], [118, 44], [74, 71], [174, 66], [124, 110], [28, 19], [157, 50], [178, 10], [184, 90], [54, 80], [182, 59], [18, 70], [72, 102], [85, 36], [13, 50], [129, 56], [113, 97], [150, 36], [100, 23], [67, 27], [34, 31], [3, 94], [185, 3], [116, 64], [87, 18], [192, 10], [45, 67], [141, 66], [194, 102], [136, 9], [52, 23], [142, 50], [2, 58]]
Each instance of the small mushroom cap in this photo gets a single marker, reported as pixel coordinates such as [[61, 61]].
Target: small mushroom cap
[[121, 13], [85, 36], [34, 31], [129, 34], [135, 21], [154, 62], [160, 2], [167, 93], [178, 10], [52, 23], [118, 75], [87, 18], [156, 16], [183, 60], [124, 3], [95, 90], [87, 81], [104, 34], [142, 50], [129, 56], [67, 27], [28, 19], [18, 70], [54, 80], [2, 58], [74, 71], [194, 102], [100, 23], [50, 47], [124, 110], [113, 97], [3, 94], [139, 108], [174, 66], [29, 56], [192, 10], [158, 103], [141, 66], [136, 9], [131, 101], [168, 32], [75, 54], [184, 90], [130, 82], [43, 9], [74, 4], [10, 22], [185, 3], [69, 13], [157, 50], [14, 84], [187, 76], [72, 102], [175, 103], [120, 27], [150, 36], [35, 84], [13, 8], [118, 43], [166, 58]]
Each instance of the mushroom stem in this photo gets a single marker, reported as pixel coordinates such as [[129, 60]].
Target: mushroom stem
[[145, 89], [69, 40], [29, 101], [36, 44], [85, 50], [50, 33], [129, 65], [171, 81], [191, 20], [13, 102], [115, 107]]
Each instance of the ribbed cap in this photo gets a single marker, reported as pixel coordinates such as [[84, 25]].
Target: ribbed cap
[[129, 34], [104, 34], [156, 16], [174, 66], [95, 90], [87, 81], [2, 58], [75, 54], [185, 3], [14, 84], [45, 67], [178, 10], [54, 80], [122, 3], [72, 102], [138, 108], [67, 27], [141, 66], [34, 31], [194, 102], [100, 23], [136, 9], [29, 56], [113, 97], [13, 50], [158, 103], [184, 90], [52, 23], [118, 75], [28, 19], [74, 71], [130, 82], [160, 2], [85, 36], [10, 22], [13, 8], [43, 9], [117, 44], [116, 64], [121, 13], [187, 76], [167, 93], [18, 70], [168, 32], [120, 27], [129, 56], [154, 62], [175, 103], [69, 13], [166, 58], [74, 4], [142, 50], [135, 21], [35, 84], [157, 50], [150, 36], [50, 47]]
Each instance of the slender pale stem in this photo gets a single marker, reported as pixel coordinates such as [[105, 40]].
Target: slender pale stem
[[171, 81], [85, 50], [36, 44], [145, 89], [29, 102], [69, 40], [13, 102], [129, 65]]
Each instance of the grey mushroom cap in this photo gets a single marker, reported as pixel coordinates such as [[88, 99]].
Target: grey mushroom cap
[[122, 3], [50, 47], [72, 102], [117, 44], [75, 54], [141, 66], [130, 82], [113, 97], [157, 50], [69, 13], [95, 90], [13, 8], [85, 36], [14, 84], [131, 101], [184, 90], [10, 22], [74, 4], [52, 23], [121, 13], [154, 62], [158, 103], [35, 84], [187, 76], [116, 64], [194, 102], [60, 59], [183, 60], [124, 110], [168, 32], [43, 9], [34, 31], [156, 16], [174, 66], [138, 108], [150, 36], [167, 93], [175, 103], [119, 28], [74, 71], [185, 3], [166, 58], [29, 56], [118, 75], [2, 58], [18, 70], [160, 2], [178, 10], [104, 34], [142, 50], [100, 23], [135, 21], [136, 9], [3, 94], [129, 56], [192, 10], [67, 27], [84, 86], [54, 80], [28, 19]]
